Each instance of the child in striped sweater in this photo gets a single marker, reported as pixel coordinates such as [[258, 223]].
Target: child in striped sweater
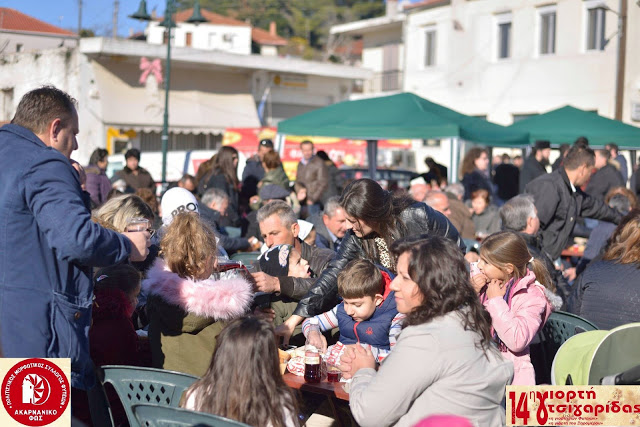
[[367, 313]]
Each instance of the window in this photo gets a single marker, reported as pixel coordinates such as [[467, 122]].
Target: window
[[19, 47], [504, 35], [547, 30], [595, 27], [430, 47], [187, 39]]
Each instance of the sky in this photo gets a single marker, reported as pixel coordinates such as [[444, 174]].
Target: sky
[[97, 15]]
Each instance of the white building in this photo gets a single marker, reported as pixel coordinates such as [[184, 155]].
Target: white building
[[210, 91], [503, 59], [219, 33], [24, 33]]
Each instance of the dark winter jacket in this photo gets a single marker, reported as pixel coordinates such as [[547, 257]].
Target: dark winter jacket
[[607, 294], [315, 177], [559, 207], [531, 169], [217, 180], [135, 181], [603, 180], [48, 245], [418, 219], [335, 183], [507, 180], [476, 180], [230, 244], [98, 185]]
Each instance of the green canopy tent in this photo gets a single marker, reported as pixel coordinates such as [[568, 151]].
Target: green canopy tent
[[566, 124], [400, 116]]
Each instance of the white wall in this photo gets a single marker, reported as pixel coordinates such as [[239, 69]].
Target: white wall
[[32, 42], [65, 69], [227, 38], [469, 78]]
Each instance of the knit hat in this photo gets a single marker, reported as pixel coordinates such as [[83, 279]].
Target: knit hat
[[175, 201], [273, 191], [275, 261]]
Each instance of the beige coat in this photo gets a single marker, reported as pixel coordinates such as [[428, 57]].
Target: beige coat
[[435, 368]]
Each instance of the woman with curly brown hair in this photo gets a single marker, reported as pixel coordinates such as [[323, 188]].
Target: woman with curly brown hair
[[474, 172], [608, 291], [187, 307], [444, 361], [243, 381]]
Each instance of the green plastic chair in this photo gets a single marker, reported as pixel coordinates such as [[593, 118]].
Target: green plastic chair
[[155, 416], [245, 257], [559, 328], [149, 386]]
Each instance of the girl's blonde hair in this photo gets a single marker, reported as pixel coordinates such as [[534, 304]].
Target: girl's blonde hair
[[624, 245], [118, 210], [509, 248], [188, 246]]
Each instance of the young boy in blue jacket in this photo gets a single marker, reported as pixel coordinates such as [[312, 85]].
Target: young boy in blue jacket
[[367, 313]]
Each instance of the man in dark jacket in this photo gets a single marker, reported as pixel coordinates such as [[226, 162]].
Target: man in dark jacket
[[212, 206], [313, 173], [536, 163], [135, 176], [330, 225], [605, 178], [49, 243], [521, 216], [279, 226], [560, 201], [507, 178]]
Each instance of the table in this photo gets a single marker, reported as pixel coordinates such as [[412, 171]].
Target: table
[[324, 387]]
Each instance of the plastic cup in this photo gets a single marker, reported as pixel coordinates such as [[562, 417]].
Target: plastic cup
[[137, 224]]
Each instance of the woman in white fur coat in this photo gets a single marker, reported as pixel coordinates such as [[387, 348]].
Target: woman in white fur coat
[[188, 309]]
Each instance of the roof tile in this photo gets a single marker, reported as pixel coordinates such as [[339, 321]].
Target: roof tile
[[12, 20]]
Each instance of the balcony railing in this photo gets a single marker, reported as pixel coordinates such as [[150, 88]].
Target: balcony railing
[[386, 81]]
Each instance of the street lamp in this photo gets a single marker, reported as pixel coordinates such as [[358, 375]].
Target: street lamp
[[168, 23]]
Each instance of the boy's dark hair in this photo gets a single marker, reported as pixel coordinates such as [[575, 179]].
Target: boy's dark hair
[[123, 276], [41, 106], [132, 152], [579, 156], [360, 278]]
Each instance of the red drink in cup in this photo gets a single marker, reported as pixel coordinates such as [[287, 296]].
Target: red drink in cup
[[312, 367], [333, 376]]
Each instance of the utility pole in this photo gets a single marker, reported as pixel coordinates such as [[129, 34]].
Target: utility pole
[[79, 19], [115, 19], [621, 60]]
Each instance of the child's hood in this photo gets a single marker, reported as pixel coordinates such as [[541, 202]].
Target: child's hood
[[110, 304], [387, 284], [219, 299]]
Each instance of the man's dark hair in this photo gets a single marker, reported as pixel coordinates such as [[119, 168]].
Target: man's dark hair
[[564, 148], [98, 155], [306, 141], [187, 178], [579, 156], [582, 141], [612, 146], [132, 152], [38, 108]]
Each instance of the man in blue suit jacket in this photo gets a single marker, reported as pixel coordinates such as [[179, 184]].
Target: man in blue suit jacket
[[48, 243]]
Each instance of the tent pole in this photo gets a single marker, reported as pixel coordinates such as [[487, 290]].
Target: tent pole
[[372, 156], [279, 143], [455, 155]]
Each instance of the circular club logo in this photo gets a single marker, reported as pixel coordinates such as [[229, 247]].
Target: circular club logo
[[35, 392]]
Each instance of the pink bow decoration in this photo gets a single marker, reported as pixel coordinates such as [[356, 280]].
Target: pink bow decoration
[[147, 67]]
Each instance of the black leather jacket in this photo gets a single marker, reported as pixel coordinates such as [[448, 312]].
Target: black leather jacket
[[419, 219]]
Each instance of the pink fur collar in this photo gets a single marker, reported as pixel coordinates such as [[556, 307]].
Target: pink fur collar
[[218, 299]]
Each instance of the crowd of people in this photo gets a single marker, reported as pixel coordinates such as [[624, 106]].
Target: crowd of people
[[436, 292]]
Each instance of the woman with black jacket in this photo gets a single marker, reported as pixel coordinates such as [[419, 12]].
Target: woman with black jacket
[[377, 219], [224, 175]]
